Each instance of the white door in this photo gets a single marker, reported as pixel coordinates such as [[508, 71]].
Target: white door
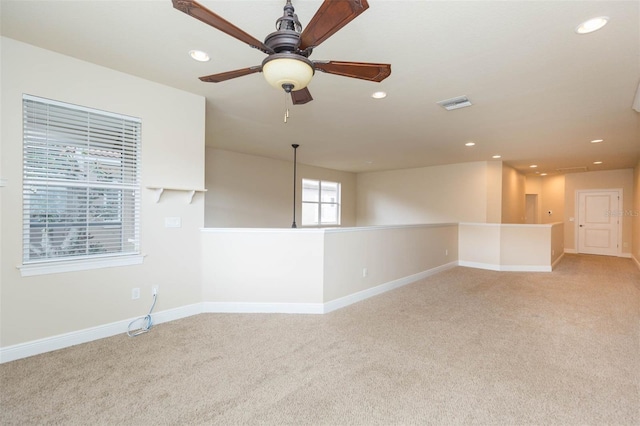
[[598, 222]]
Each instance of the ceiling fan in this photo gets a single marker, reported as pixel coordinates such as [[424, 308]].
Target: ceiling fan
[[287, 65]]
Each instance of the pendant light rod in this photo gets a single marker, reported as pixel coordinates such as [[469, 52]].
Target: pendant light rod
[[295, 161]]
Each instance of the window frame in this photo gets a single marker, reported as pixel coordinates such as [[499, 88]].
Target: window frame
[[87, 171], [320, 204]]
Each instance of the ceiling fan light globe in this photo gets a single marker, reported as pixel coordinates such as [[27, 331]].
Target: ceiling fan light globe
[[287, 71]]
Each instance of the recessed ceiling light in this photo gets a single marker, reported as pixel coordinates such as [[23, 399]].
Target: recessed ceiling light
[[592, 25], [597, 140], [470, 144], [199, 55], [597, 162], [533, 166], [379, 95], [497, 156], [543, 174]]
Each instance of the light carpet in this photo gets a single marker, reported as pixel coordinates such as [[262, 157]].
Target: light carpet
[[465, 346]]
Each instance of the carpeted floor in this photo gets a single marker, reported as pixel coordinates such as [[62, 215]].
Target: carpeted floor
[[465, 346]]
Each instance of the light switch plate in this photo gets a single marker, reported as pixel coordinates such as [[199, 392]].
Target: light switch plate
[[172, 222]]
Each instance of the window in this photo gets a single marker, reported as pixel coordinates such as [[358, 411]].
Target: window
[[320, 203], [81, 182]]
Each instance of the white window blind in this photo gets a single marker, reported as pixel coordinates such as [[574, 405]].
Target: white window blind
[[81, 182]]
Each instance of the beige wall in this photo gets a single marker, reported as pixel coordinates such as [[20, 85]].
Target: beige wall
[[247, 191], [387, 253], [552, 200], [312, 270], [453, 193], [636, 214], [513, 195], [510, 247], [494, 191], [172, 154], [609, 179], [262, 266]]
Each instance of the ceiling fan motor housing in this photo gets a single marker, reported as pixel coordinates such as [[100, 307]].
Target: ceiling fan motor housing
[[283, 41]]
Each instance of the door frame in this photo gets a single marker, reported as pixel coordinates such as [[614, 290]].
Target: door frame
[[576, 224]]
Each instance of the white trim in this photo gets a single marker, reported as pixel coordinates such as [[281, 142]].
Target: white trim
[[56, 267], [383, 227], [478, 265], [262, 230], [553, 265], [570, 251], [262, 308], [383, 288], [526, 268], [60, 341], [80, 107], [636, 260], [513, 225], [626, 255], [506, 268], [325, 229]]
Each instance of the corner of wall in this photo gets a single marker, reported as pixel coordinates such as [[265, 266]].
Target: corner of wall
[[635, 240]]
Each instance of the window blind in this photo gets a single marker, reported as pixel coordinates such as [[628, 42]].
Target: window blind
[[81, 182]]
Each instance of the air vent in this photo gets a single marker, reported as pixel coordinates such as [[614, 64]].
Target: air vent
[[455, 103], [572, 169]]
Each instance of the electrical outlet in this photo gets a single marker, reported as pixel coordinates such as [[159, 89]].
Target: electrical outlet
[[364, 272], [154, 290], [446, 252], [135, 293]]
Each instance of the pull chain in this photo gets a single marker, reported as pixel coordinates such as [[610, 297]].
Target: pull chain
[[286, 109]]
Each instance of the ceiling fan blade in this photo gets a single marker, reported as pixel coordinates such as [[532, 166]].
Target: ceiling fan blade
[[224, 76], [300, 97], [330, 17], [198, 11], [361, 70]]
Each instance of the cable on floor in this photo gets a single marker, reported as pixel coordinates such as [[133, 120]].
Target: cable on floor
[[146, 321]]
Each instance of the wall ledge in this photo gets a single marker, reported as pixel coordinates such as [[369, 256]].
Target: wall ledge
[[514, 225], [324, 230]]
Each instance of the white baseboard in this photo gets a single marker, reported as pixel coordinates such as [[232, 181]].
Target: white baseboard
[[479, 265], [48, 344], [553, 265], [319, 308], [382, 288], [574, 251], [636, 260], [506, 268], [262, 308]]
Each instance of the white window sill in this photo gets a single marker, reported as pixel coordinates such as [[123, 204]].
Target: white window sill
[[56, 267]]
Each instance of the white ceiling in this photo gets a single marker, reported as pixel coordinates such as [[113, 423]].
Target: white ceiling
[[541, 92]]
